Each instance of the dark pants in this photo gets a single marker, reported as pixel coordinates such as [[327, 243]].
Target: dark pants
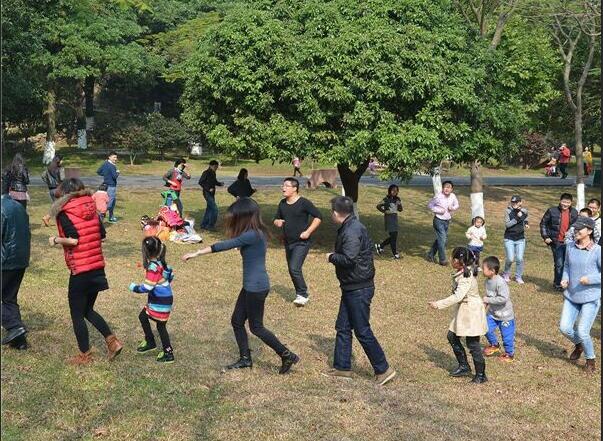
[[471, 342], [563, 170], [297, 170], [22, 202], [296, 255], [250, 307], [558, 250], [354, 315], [81, 306], [477, 251], [441, 233], [161, 330], [392, 240], [179, 204], [52, 194], [211, 212], [11, 281]]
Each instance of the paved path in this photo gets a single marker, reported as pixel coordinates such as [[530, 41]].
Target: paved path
[[132, 181]]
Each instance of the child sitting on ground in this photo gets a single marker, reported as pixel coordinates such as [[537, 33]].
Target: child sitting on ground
[[160, 298], [390, 206], [469, 316], [476, 235], [101, 199], [500, 311]]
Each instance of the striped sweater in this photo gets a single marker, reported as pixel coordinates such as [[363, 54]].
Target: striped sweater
[[157, 286]]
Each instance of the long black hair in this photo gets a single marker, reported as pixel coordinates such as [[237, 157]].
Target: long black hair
[[391, 187], [153, 249], [17, 165], [55, 164], [243, 174], [244, 215], [468, 259], [70, 185]]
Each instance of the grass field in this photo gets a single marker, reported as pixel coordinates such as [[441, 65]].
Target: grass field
[[541, 396]]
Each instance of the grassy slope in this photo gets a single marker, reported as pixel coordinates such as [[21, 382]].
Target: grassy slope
[[540, 396]]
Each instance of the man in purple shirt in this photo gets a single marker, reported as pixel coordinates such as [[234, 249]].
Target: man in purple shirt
[[442, 206]]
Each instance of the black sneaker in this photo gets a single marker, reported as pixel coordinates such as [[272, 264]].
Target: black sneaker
[[289, 359], [241, 363], [378, 248], [165, 357], [19, 343], [145, 346]]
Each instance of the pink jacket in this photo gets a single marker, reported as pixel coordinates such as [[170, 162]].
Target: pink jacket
[[101, 199], [443, 206]]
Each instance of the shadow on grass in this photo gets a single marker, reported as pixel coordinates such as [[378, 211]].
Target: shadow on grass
[[546, 348], [286, 293], [324, 345], [441, 359], [543, 285]]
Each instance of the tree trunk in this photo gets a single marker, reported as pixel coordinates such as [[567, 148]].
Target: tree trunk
[[579, 157], [477, 190], [82, 139], [436, 180], [89, 93], [351, 179], [51, 127]]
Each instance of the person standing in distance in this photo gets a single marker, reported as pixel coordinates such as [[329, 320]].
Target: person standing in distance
[[108, 170], [442, 206], [353, 261], [293, 216], [208, 183]]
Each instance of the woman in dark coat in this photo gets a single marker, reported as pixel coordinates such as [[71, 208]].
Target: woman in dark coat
[[15, 178], [241, 188]]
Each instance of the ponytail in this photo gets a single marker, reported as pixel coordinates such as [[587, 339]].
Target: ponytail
[[468, 259]]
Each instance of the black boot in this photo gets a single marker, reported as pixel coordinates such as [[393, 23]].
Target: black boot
[[19, 343], [14, 333], [242, 363], [289, 359], [480, 372], [463, 369]]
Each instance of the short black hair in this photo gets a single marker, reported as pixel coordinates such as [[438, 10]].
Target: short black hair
[[342, 205], [492, 263], [587, 211], [103, 187], [111, 153], [213, 162], [179, 161], [447, 183], [294, 182], [566, 196], [476, 218], [596, 201]]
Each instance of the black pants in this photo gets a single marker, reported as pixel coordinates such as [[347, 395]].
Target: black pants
[[11, 315], [563, 170], [22, 202], [392, 240], [161, 329], [471, 342], [250, 307], [179, 204], [81, 306], [296, 255]]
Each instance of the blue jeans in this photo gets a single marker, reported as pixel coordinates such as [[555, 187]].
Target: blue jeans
[[211, 212], [441, 232], [514, 250], [507, 332], [112, 192], [296, 255], [558, 250], [354, 314], [576, 322]]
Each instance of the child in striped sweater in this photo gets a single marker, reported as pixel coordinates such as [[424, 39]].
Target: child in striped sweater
[[160, 299]]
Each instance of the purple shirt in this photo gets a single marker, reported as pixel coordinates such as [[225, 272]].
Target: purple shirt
[[443, 206]]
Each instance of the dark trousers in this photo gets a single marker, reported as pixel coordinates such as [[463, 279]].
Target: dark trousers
[[392, 240], [211, 212], [441, 233], [296, 255], [161, 330], [81, 306], [11, 315], [558, 250], [179, 204], [22, 202], [471, 342], [354, 315], [297, 170], [563, 170], [250, 307]]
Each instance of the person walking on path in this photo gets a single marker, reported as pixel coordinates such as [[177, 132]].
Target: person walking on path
[[173, 179], [80, 234], [390, 206], [208, 183], [581, 282], [16, 242], [516, 224], [588, 161], [108, 170], [241, 188], [355, 270], [297, 167], [553, 226], [248, 234], [564, 159], [442, 206], [53, 175], [15, 179], [293, 216]]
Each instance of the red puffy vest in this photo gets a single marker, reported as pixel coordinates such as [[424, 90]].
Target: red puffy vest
[[176, 181], [87, 255]]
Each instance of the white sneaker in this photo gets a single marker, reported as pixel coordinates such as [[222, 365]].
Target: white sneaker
[[300, 301]]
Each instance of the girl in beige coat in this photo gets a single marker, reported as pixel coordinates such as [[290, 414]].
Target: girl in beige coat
[[469, 315]]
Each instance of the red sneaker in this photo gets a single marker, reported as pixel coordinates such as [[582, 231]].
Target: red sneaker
[[506, 358], [491, 350]]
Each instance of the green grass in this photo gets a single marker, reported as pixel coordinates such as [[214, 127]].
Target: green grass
[[539, 397]]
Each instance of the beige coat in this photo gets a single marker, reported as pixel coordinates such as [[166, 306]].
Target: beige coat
[[469, 315]]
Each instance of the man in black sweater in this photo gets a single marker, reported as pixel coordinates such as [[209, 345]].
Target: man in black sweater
[[208, 183], [353, 260]]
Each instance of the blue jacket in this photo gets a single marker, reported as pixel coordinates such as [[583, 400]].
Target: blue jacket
[[16, 237], [109, 173], [579, 263]]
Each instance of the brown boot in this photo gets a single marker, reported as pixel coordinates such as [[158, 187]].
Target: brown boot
[[83, 358], [114, 347], [575, 355], [590, 366]]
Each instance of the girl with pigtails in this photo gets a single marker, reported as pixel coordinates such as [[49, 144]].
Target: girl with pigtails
[[469, 315]]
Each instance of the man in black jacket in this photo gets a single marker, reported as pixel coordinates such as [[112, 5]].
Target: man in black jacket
[[208, 183], [353, 260], [553, 226]]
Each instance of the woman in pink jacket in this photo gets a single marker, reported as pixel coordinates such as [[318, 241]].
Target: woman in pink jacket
[[442, 206]]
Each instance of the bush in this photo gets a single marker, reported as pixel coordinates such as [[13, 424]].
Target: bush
[[166, 132], [134, 138]]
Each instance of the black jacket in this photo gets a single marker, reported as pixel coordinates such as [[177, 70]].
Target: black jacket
[[208, 180], [241, 188], [353, 256], [551, 223], [16, 181], [16, 237]]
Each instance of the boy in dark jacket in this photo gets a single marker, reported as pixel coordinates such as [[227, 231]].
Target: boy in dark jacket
[[208, 183], [553, 226], [353, 260]]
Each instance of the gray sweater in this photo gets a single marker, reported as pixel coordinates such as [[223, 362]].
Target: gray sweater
[[498, 299]]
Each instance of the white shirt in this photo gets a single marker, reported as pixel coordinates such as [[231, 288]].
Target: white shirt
[[476, 235]]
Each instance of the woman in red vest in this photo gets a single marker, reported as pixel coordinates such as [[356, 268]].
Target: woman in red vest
[[173, 179], [81, 234]]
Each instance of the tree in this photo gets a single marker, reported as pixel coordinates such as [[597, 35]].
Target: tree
[[135, 138], [166, 132]]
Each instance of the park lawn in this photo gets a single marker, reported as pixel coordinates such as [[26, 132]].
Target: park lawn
[[541, 396]]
